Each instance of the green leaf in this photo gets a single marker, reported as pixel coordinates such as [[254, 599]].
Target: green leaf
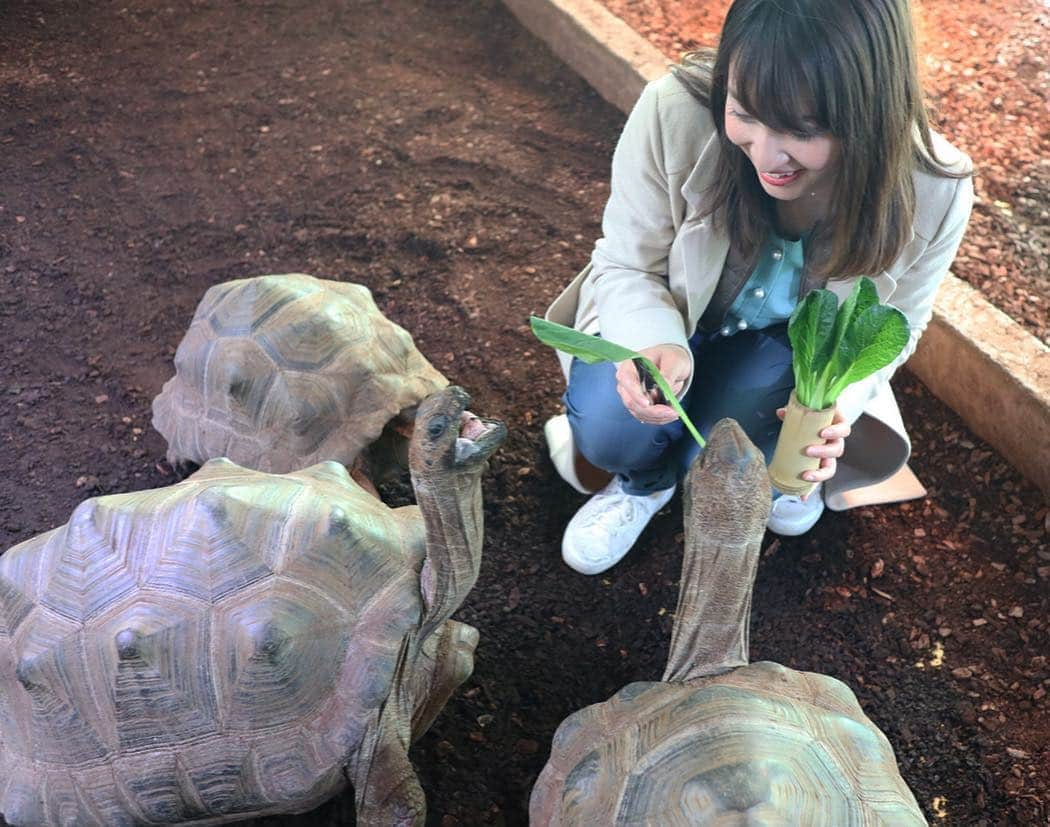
[[876, 338], [592, 349], [810, 331], [832, 350], [861, 297]]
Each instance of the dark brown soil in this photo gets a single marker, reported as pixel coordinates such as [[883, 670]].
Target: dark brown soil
[[434, 151]]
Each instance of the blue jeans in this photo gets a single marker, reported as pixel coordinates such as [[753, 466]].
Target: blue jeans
[[746, 376]]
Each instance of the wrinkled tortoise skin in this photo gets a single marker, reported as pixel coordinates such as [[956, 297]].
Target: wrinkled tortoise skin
[[280, 372]]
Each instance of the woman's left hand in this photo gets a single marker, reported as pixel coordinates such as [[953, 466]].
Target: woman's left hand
[[834, 436]]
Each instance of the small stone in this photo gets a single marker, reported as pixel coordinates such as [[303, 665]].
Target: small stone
[[101, 398], [962, 672], [877, 568], [444, 748], [1017, 611], [966, 711], [475, 735], [1013, 752], [990, 724], [485, 720], [526, 746], [980, 622]]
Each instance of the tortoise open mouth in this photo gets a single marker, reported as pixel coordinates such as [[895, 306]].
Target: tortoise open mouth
[[478, 438]]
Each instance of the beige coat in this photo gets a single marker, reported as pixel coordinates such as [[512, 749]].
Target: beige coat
[[654, 271]]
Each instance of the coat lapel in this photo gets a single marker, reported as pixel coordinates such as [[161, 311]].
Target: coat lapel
[[699, 251]]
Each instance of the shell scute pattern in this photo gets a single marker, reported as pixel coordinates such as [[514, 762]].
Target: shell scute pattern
[[237, 380], [211, 545], [49, 668], [284, 649], [721, 741], [225, 780], [87, 566], [239, 307], [313, 335], [241, 643], [254, 596], [157, 785], [281, 372], [701, 752], [136, 665], [18, 592]]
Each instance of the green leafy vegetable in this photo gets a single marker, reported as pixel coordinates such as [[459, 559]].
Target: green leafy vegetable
[[592, 350], [833, 348]]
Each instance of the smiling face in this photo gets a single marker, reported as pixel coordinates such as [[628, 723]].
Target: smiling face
[[788, 164]]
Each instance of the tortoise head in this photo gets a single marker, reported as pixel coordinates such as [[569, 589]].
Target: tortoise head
[[449, 438], [728, 492]]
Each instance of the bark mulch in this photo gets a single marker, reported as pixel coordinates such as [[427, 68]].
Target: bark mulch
[[436, 152]]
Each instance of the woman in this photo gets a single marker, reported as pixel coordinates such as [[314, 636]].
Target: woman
[[799, 157]]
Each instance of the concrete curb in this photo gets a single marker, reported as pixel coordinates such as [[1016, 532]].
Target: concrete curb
[[973, 357]]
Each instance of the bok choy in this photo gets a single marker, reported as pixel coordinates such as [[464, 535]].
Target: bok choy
[[832, 350]]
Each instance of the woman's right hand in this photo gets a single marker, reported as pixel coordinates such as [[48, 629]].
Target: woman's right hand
[[674, 363]]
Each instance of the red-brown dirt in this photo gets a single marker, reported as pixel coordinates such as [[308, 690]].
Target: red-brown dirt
[[436, 152], [984, 67]]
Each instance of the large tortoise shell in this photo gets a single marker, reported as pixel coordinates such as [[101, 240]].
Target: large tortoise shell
[[281, 372], [761, 745], [213, 647]]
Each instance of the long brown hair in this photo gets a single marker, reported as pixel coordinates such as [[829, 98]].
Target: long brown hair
[[849, 67]]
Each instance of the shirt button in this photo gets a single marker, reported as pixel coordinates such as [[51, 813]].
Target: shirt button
[[758, 293], [777, 255], [741, 325], [726, 330]]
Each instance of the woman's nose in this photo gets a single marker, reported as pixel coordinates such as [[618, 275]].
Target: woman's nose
[[767, 151]]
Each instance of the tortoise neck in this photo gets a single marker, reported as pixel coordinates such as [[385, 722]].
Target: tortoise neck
[[451, 505], [725, 509], [712, 629]]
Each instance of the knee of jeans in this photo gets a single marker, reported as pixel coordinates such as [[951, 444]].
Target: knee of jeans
[[626, 449]]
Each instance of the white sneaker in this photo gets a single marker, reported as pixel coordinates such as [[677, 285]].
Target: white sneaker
[[791, 517], [563, 451], [605, 528]]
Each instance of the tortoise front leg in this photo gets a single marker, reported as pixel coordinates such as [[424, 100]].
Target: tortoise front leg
[[386, 789], [445, 661]]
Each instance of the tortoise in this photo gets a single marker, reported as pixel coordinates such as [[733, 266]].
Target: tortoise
[[719, 741], [280, 372], [241, 643]]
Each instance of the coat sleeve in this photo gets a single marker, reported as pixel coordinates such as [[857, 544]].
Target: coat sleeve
[[915, 293], [629, 263]]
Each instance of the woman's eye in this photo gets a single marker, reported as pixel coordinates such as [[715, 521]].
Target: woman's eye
[[741, 116]]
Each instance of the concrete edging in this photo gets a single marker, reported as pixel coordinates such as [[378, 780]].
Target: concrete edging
[[973, 357]]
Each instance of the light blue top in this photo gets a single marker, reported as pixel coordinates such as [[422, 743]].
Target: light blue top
[[771, 292]]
